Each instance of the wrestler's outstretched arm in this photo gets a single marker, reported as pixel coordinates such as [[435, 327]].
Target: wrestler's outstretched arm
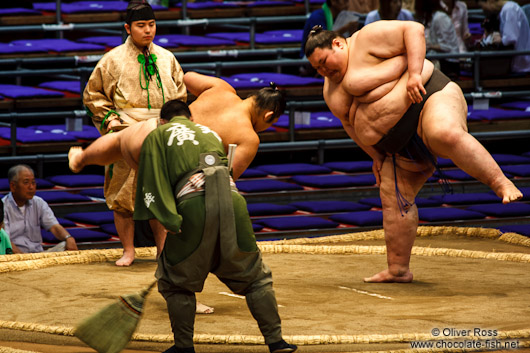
[[197, 83]]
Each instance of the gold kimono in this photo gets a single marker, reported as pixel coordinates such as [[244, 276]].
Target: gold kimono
[[117, 89]]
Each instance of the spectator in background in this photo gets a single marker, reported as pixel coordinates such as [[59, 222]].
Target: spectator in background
[[458, 12], [25, 214], [514, 29], [389, 10], [326, 17], [362, 6], [440, 34], [5, 243]]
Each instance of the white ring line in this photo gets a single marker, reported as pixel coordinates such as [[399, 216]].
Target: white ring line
[[367, 293], [241, 297]]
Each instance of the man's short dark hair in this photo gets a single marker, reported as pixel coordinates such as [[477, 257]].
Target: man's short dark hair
[[174, 108], [270, 98], [319, 38]]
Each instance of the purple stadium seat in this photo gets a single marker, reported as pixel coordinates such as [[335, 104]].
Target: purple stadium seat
[[371, 201], [267, 209], [279, 79], [296, 222], [77, 180], [259, 38], [334, 181], [109, 41], [210, 5], [329, 206], [467, 198], [61, 197], [455, 175], [14, 91], [521, 170], [514, 209], [256, 227], [19, 49], [438, 214], [350, 166], [253, 173], [109, 228], [68, 86], [58, 45], [503, 158], [496, 114], [523, 229], [519, 105], [89, 132], [176, 40], [96, 218], [89, 6], [285, 35], [258, 3], [18, 11], [293, 169], [361, 218], [26, 135], [250, 186], [66, 222], [317, 120], [80, 235], [95, 193], [475, 28], [444, 162]]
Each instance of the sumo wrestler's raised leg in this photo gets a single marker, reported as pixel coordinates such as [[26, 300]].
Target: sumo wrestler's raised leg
[[444, 131], [400, 225], [103, 151]]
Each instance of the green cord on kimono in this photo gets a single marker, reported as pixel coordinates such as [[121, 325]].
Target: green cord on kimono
[[147, 70]]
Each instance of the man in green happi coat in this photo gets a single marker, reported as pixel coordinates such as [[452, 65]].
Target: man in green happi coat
[[184, 182]]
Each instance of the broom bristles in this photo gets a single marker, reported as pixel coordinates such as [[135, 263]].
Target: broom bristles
[[110, 329]]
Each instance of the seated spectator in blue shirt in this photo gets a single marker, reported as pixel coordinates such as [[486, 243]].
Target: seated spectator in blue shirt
[[389, 10], [325, 17], [25, 214], [514, 29], [5, 243]]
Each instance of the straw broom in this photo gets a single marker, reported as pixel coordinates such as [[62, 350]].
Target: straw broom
[[110, 329]]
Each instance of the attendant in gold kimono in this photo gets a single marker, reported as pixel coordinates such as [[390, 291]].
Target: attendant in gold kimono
[[130, 84]]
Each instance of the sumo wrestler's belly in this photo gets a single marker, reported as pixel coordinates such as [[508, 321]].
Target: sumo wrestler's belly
[[374, 120]]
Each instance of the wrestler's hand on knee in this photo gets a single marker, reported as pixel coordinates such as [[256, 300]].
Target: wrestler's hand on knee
[[415, 88]]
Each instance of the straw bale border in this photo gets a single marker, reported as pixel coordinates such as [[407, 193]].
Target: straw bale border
[[22, 262]]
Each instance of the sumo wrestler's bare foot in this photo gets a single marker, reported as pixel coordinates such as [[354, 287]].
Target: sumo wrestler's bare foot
[[74, 159], [127, 259], [508, 192], [203, 309], [387, 277]]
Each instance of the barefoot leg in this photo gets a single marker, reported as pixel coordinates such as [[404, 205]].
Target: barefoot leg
[[400, 227], [443, 128], [125, 227]]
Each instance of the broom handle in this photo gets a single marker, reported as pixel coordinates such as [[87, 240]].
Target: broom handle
[[147, 289]]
